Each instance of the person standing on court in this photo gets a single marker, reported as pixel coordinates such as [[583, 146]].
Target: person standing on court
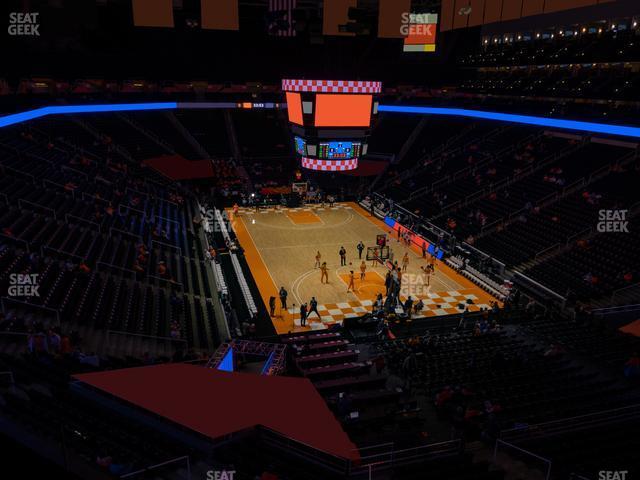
[[324, 274], [313, 307], [303, 315], [283, 297], [405, 261], [343, 256], [387, 283], [352, 280], [272, 305], [363, 270], [318, 257], [360, 248], [408, 306]]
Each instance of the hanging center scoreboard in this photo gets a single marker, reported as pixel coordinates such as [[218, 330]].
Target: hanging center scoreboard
[[331, 121]]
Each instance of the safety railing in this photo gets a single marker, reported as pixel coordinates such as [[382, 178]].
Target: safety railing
[[5, 300], [37, 205], [631, 291], [166, 245], [565, 425], [530, 459], [68, 217], [149, 471]]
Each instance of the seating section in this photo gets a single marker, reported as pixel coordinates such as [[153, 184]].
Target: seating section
[[116, 128], [618, 82], [589, 46], [595, 266], [536, 230], [159, 125], [504, 378], [113, 249]]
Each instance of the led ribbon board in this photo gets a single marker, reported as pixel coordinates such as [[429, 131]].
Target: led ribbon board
[[329, 165], [331, 86], [606, 128], [15, 118], [591, 127]]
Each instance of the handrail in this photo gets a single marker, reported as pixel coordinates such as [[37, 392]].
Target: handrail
[[139, 192], [111, 265], [14, 239], [124, 232], [9, 373], [93, 197], [327, 459], [158, 465], [579, 234], [526, 452], [546, 250], [617, 309], [164, 219], [128, 207], [553, 427], [16, 170], [174, 282], [74, 170], [3, 308], [539, 285], [22, 200], [623, 289], [155, 337], [80, 219], [59, 252], [168, 245]]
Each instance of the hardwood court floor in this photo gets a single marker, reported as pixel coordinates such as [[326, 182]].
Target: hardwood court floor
[[280, 247]]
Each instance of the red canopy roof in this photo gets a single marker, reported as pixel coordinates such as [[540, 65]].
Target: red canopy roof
[[216, 403]]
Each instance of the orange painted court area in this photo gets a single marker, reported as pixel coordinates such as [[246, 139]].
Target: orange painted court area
[[368, 288], [303, 217], [280, 247]]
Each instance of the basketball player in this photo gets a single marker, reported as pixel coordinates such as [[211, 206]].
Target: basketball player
[[352, 279], [313, 307], [375, 254], [363, 270], [405, 261], [324, 274], [236, 208], [427, 273], [318, 257]]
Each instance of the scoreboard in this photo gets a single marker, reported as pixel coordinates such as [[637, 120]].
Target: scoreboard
[[339, 150], [331, 120]]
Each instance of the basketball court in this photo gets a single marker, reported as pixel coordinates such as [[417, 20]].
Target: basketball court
[[281, 245]]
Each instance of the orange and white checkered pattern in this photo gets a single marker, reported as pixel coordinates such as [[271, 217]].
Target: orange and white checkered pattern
[[329, 165], [331, 86], [436, 304]]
